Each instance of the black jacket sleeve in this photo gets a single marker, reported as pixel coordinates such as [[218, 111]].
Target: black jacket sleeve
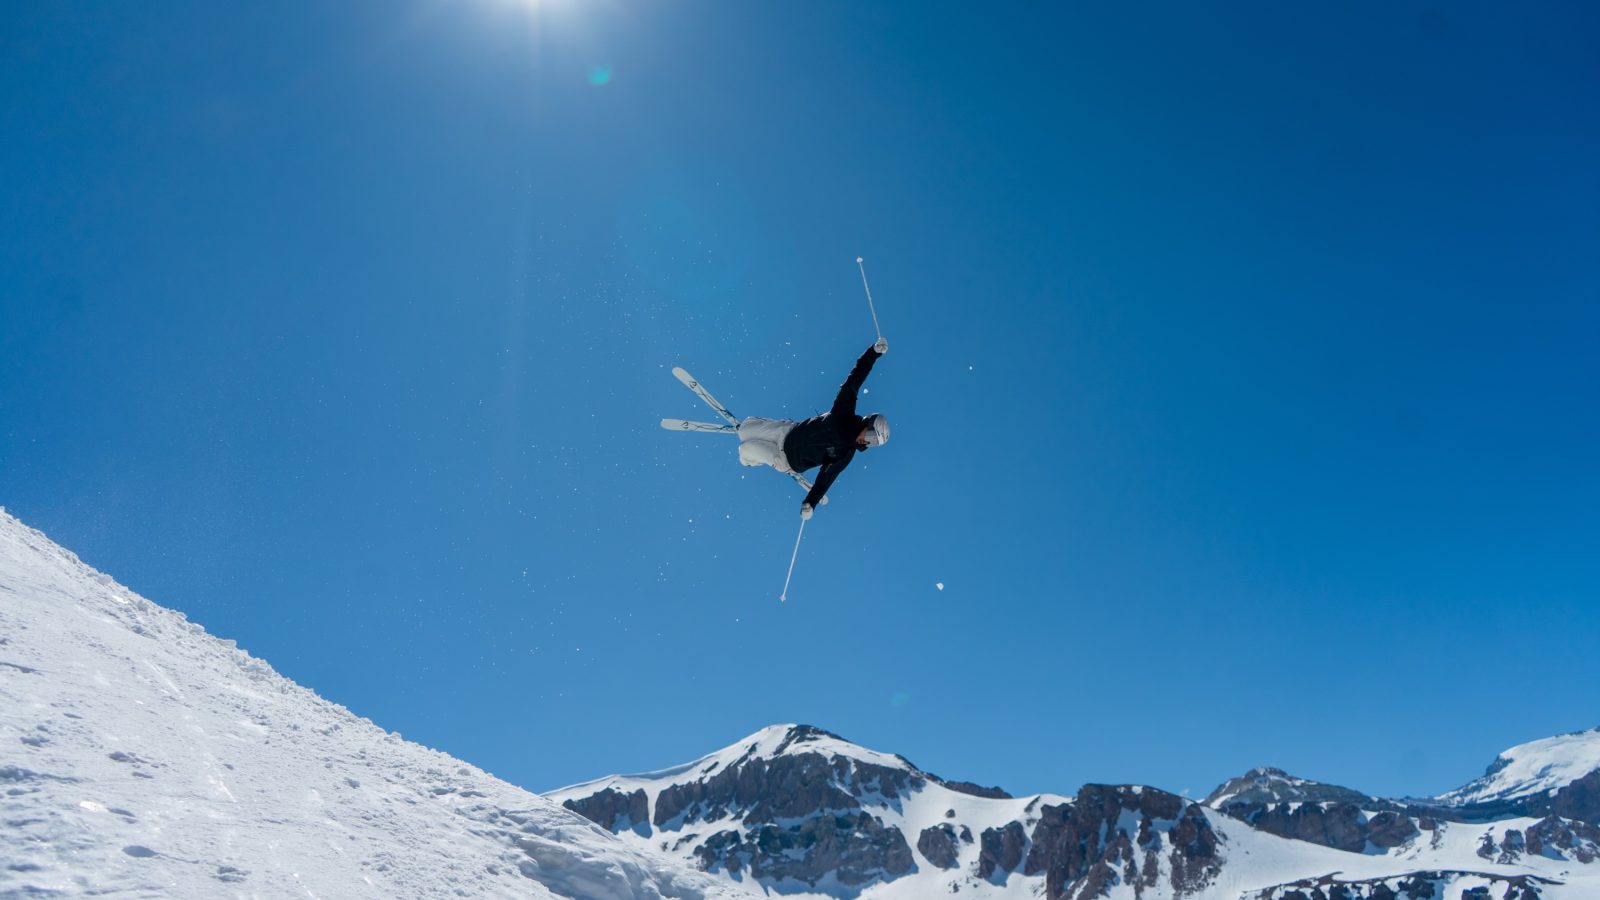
[[845, 403], [825, 476]]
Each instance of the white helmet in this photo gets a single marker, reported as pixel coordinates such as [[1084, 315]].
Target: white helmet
[[880, 429]]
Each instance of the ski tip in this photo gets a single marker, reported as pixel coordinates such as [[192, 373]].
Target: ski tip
[[681, 373], [858, 259]]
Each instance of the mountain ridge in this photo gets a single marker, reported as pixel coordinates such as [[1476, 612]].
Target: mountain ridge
[[908, 834]]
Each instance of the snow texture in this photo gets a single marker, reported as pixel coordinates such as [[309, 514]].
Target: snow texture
[[142, 757], [1542, 766]]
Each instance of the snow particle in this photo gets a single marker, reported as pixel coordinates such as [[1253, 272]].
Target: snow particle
[[939, 585]]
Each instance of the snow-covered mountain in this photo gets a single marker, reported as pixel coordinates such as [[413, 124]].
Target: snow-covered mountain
[[1268, 785], [802, 812], [1541, 798], [142, 757], [1557, 775], [801, 809]]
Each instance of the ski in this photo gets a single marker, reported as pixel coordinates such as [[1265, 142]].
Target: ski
[[689, 382], [703, 394], [686, 425]]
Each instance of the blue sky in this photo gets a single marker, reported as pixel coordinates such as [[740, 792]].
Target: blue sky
[[1242, 369]]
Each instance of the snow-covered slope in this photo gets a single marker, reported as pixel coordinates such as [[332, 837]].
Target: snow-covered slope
[[142, 757], [1543, 767]]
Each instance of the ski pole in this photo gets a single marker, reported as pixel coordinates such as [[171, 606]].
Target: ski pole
[[785, 595], [861, 265]]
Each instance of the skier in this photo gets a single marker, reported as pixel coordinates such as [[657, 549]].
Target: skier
[[830, 440]]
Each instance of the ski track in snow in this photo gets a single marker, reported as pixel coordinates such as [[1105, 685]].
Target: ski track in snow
[[142, 757]]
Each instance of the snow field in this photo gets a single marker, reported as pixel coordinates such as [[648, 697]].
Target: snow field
[[141, 756]]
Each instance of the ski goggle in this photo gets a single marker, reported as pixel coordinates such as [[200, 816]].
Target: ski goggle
[[880, 431]]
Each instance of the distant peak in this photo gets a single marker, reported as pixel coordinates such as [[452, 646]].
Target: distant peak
[[801, 734], [789, 738], [1263, 773], [1267, 784], [1536, 767]]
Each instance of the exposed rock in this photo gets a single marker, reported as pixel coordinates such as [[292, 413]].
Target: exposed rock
[[1511, 847], [854, 847], [1338, 825], [1276, 802], [801, 734], [1579, 800], [614, 810], [1428, 885], [1391, 829], [967, 787], [1000, 849], [1083, 851], [1194, 860], [1267, 786], [784, 787], [1563, 838], [938, 845]]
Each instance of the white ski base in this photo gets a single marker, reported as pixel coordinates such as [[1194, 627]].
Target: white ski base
[[688, 425], [689, 382]]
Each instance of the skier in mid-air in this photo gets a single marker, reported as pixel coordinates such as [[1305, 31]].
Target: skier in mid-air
[[830, 440]]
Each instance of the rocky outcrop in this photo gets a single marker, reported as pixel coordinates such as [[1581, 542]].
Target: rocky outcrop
[[967, 787], [1337, 825], [1276, 802], [1000, 850], [854, 847], [1430, 885], [1084, 849], [1579, 800], [1267, 786], [938, 845], [614, 810], [1551, 836], [1391, 829], [1578, 841], [760, 789]]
